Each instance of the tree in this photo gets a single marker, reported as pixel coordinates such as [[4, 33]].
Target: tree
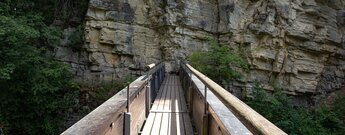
[[34, 87]]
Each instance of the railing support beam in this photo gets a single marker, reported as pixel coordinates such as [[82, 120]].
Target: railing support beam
[[147, 100], [205, 117], [205, 125], [127, 123]]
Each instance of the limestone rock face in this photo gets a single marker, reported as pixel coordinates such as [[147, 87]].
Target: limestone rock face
[[122, 36], [298, 44]]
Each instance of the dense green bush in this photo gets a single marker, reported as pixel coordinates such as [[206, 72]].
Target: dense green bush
[[33, 86], [219, 62], [278, 108], [104, 91], [35, 89], [76, 39]]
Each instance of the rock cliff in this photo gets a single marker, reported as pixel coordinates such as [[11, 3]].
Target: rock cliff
[[298, 44]]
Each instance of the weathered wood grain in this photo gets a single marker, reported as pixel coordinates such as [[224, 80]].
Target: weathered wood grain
[[169, 115], [253, 120], [108, 117]]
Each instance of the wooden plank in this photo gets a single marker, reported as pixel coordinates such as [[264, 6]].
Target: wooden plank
[[117, 125], [138, 116], [166, 106], [149, 124], [216, 128], [180, 125], [170, 111], [181, 97], [198, 111], [181, 107], [174, 116], [187, 124], [179, 118], [111, 111], [221, 118], [173, 127], [158, 119], [167, 111], [159, 105], [151, 118], [186, 119]]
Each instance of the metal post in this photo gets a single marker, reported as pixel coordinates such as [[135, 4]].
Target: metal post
[[148, 99], [128, 121], [205, 109], [152, 87], [152, 84], [128, 100], [190, 93], [127, 116], [205, 118]]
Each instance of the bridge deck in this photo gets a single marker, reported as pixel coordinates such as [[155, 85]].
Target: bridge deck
[[169, 113]]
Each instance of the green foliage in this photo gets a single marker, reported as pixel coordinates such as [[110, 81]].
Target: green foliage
[[277, 108], [34, 88], [76, 39], [3, 125], [105, 90], [219, 63], [51, 36]]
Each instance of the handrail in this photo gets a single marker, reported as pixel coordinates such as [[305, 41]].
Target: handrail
[[150, 66], [256, 122], [109, 117]]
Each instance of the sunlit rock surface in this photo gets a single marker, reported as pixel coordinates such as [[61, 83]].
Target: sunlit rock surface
[[298, 44]]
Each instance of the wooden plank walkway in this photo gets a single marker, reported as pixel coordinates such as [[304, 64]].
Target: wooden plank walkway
[[169, 113]]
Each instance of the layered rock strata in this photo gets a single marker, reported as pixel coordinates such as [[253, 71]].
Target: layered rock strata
[[298, 44]]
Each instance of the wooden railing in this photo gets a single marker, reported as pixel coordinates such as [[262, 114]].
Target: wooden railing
[[219, 112], [114, 116], [213, 109]]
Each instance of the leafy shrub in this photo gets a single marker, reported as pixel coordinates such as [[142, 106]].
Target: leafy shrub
[[278, 108], [105, 91], [219, 63], [34, 88], [76, 39], [3, 125]]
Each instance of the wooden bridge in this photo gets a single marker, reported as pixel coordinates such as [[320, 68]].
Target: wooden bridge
[[185, 103]]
